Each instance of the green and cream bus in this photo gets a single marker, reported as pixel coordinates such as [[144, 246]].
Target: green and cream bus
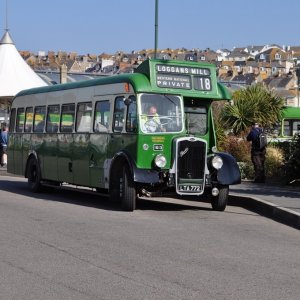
[[290, 123], [99, 134], [287, 127]]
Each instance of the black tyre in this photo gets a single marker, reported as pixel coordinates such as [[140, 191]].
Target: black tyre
[[116, 186], [34, 176], [219, 202], [128, 191]]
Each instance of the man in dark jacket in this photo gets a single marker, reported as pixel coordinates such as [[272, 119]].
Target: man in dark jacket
[[258, 155], [3, 145]]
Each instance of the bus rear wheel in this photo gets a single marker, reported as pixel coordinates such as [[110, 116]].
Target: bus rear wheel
[[219, 202], [34, 176], [127, 190]]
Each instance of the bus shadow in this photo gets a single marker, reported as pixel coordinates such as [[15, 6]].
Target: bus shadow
[[93, 199]]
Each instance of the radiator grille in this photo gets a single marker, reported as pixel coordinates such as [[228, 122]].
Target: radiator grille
[[191, 159]]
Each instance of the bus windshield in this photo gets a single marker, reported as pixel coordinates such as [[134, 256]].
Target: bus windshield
[[160, 113]]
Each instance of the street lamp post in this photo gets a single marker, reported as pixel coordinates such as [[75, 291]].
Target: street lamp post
[[156, 28], [298, 83]]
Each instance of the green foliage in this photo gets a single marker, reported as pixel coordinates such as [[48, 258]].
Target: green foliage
[[252, 104], [241, 150], [238, 148], [221, 137], [274, 164], [246, 169], [293, 163]]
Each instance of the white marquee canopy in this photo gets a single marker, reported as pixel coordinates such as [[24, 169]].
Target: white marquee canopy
[[15, 73]]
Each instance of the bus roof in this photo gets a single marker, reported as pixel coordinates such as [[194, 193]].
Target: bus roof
[[291, 112], [191, 79], [138, 81]]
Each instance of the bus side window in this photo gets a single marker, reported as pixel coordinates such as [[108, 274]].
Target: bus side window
[[102, 111], [296, 127], [52, 122], [28, 119], [20, 120], [131, 118], [84, 117], [67, 117], [12, 120], [119, 109], [39, 119], [287, 128]]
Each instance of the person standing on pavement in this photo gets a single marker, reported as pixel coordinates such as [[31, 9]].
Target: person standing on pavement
[[3, 144], [258, 154]]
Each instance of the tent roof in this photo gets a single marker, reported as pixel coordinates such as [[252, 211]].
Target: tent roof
[[15, 73]]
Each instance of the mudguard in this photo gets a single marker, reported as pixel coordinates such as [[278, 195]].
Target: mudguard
[[230, 172], [138, 175]]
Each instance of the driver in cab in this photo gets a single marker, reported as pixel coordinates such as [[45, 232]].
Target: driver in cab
[[151, 121]]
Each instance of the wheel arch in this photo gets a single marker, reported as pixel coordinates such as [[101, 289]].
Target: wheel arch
[[230, 172], [31, 155], [118, 162]]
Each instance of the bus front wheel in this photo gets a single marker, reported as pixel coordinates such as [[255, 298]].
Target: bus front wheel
[[34, 176], [219, 202], [128, 191]]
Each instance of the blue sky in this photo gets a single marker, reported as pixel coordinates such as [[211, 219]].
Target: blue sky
[[97, 26]]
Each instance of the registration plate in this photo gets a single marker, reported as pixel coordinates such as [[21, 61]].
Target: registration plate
[[190, 188]]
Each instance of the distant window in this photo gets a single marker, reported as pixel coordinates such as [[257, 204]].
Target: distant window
[[102, 112], [20, 120], [262, 56], [28, 119], [119, 109], [53, 115], [277, 56], [67, 117], [39, 119], [12, 120], [84, 117]]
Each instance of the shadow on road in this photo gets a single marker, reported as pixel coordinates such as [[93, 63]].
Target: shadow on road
[[93, 199]]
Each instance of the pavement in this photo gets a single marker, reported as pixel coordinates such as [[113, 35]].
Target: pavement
[[273, 200]]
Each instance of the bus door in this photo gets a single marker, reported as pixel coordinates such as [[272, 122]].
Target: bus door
[[11, 145], [115, 139], [18, 142], [65, 143], [98, 142], [81, 148], [124, 127]]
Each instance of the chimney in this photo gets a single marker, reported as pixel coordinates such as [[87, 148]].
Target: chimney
[[63, 73]]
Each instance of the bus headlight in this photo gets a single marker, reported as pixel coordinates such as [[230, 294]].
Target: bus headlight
[[160, 161], [217, 162]]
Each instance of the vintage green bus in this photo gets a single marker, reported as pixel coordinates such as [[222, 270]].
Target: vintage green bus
[[99, 134], [290, 123], [287, 127]]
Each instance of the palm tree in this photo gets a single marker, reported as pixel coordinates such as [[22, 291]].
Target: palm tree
[[252, 104]]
